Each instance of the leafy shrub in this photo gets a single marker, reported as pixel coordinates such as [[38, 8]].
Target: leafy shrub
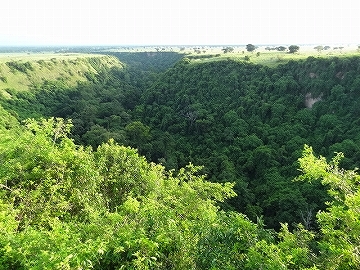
[[20, 66]]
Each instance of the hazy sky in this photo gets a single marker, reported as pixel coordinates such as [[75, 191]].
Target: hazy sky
[[178, 22]]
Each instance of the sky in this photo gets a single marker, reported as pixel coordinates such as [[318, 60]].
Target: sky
[[178, 22]]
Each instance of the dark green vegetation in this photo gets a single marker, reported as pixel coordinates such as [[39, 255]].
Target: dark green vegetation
[[66, 206]]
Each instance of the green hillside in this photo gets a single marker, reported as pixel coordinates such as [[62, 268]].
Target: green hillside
[[226, 175], [20, 71]]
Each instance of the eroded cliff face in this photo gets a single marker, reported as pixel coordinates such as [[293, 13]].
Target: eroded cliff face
[[310, 100]]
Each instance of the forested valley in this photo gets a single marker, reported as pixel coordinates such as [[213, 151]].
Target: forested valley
[[165, 162]]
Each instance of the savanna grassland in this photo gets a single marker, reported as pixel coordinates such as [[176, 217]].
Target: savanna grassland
[[263, 56], [180, 158]]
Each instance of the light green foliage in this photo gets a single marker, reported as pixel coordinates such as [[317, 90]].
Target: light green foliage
[[295, 247], [340, 224], [292, 251], [67, 207], [46, 175], [6, 119], [55, 128], [62, 246], [314, 167], [225, 243], [124, 174]]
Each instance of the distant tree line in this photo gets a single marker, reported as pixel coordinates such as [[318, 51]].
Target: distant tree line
[[291, 48]]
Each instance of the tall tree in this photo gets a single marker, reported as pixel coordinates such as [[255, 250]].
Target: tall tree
[[250, 47], [293, 48]]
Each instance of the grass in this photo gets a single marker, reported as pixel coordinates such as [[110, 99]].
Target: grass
[[21, 71], [5, 57], [270, 58]]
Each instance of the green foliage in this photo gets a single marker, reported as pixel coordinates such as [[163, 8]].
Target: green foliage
[[293, 48], [228, 49], [339, 225], [280, 48], [106, 207], [250, 47], [67, 207], [45, 174], [125, 174], [319, 48], [225, 244], [138, 134], [63, 206], [20, 66], [207, 113], [7, 120]]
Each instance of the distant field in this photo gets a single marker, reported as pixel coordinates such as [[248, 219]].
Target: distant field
[[4, 57], [268, 58]]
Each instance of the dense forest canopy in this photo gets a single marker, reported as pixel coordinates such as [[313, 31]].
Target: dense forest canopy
[[228, 137]]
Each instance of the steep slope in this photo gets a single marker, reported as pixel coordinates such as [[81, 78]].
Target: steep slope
[[248, 123], [39, 84], [24, 71], [245, 123]]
